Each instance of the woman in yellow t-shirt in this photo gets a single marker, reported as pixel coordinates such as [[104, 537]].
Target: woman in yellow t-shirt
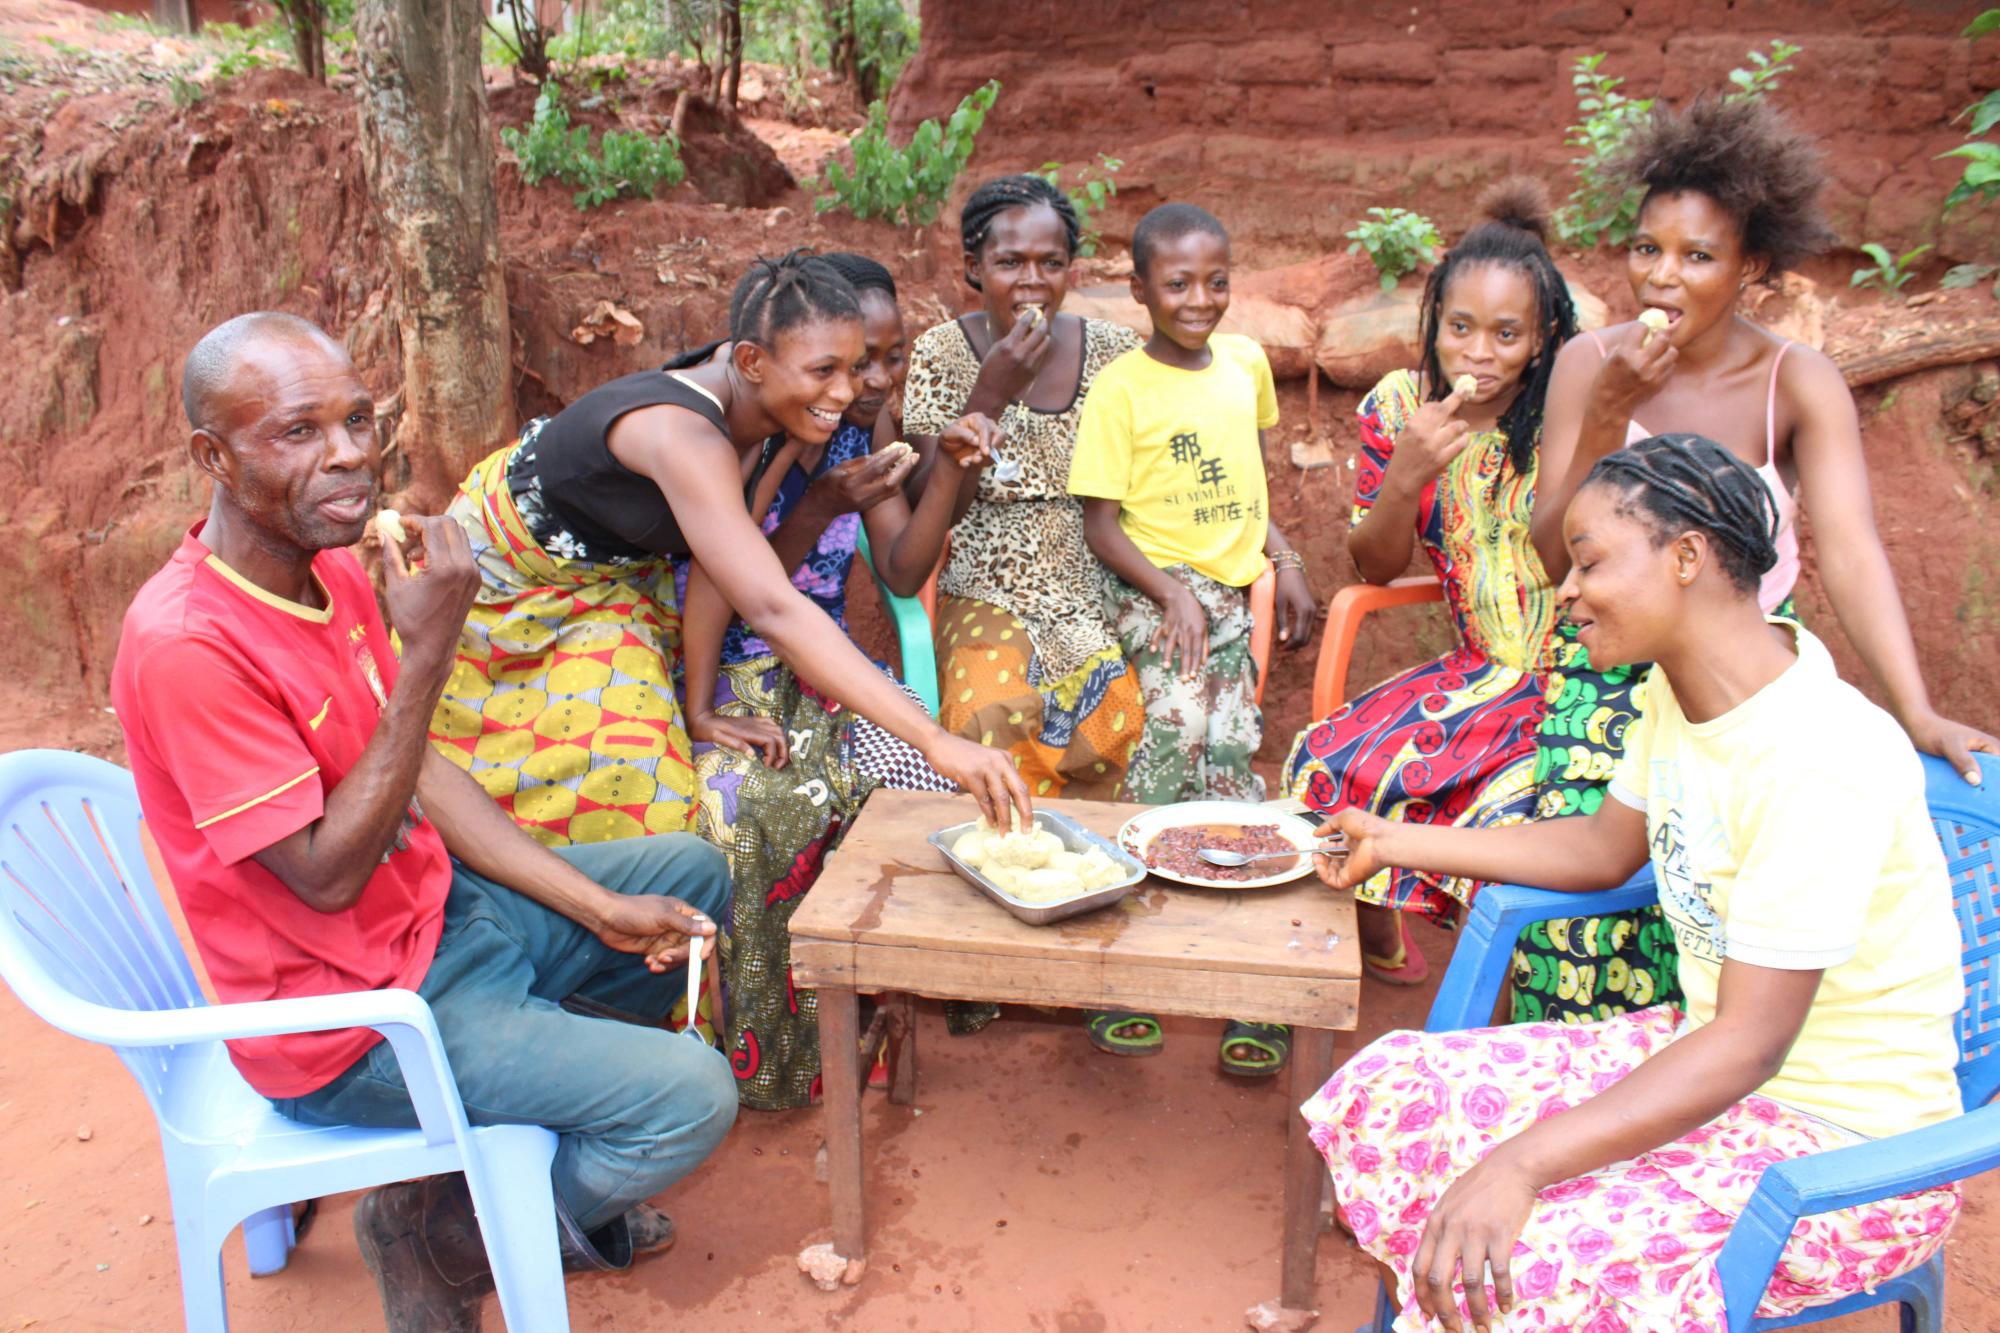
[[1593, 1171]]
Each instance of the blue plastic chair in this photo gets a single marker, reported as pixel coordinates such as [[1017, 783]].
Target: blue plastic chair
[[913, 633], [1968, 825], [87, 944]]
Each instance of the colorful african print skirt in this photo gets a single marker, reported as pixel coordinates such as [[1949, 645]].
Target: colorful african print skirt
[[1451, 742], [1071, 737], [1632, 1246], [776, 826], [562, 702], [1581, 969]]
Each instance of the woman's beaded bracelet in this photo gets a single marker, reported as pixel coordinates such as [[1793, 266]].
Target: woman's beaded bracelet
[[1288, 560]]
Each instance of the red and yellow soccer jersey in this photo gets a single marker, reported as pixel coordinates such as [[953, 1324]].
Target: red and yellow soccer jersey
[[241, 711]]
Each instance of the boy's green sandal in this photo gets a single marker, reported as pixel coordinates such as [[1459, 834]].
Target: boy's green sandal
[[1113, 1031], [1269, 1046]]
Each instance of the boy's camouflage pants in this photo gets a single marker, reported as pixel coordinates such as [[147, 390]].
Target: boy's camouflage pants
[[1200, 731]]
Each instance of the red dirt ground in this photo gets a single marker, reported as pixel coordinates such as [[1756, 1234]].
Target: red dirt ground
[[1036, 1186]]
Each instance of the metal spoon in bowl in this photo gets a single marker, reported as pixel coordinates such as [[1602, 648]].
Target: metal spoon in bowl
[[1216, 856]]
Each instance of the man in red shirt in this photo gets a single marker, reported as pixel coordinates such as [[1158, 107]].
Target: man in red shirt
[[318, 844]]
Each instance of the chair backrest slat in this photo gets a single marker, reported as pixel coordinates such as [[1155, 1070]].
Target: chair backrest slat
[[1967, 820], [79, 912]]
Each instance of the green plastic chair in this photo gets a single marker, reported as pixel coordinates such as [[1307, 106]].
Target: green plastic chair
[[913, 632]]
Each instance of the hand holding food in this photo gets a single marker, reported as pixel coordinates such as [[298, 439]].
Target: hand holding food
[[389, 527], [1652, 320], [1465, 386]]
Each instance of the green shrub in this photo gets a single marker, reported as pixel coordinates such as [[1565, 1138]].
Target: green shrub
[[1980, 180], [906, 185], [627, 163], [1095, 189], [1397, 240], [1888, 272], [1603, 209]]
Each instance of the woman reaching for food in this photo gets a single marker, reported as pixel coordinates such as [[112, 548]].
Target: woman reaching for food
[[1546, 1176], [562, 703], [779, 770], [1731, 199]]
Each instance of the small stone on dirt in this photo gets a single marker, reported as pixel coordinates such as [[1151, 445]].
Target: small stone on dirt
[[83, 1133], [1271, 1317], [828, 1270]]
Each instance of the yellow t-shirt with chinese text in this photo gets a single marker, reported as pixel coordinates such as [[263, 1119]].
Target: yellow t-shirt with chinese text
[[1791, 832], [1178, 450]]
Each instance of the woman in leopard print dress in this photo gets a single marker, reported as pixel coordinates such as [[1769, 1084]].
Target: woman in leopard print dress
[[1026, 661]]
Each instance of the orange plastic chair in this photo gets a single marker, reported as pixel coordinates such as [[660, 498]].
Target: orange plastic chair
[[1350, 606], [1263, 600]]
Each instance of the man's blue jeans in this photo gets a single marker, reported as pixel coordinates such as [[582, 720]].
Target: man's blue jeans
[[636, 1107]]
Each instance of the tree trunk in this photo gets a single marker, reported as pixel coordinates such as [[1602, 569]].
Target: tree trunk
[[176, 15], [732, 52], [307, 20], [843, 47], [428, 153]]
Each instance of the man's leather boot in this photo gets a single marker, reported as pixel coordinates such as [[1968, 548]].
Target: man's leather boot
[[421, 1241]]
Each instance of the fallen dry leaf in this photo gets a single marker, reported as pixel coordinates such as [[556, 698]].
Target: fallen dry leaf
[[608, 319]]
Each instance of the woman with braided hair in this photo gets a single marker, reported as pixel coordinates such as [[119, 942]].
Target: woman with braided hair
[[779, 770], [1731, 199], [562, 703], [1453, 471], [1026, 661], [1545, 1176]]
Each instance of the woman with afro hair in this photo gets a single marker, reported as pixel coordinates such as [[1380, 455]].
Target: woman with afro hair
[[1731, 199]]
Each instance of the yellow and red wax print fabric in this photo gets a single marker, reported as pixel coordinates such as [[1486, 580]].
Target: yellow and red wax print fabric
[[562, 701]]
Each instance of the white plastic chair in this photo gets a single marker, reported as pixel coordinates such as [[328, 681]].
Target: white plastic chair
[[86, 943]]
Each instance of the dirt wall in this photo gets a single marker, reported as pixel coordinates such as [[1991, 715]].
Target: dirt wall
[[1290, 117]]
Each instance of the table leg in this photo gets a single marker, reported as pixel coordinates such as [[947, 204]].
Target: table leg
[[841, 1099], [902, 1049], [1305, 1172]]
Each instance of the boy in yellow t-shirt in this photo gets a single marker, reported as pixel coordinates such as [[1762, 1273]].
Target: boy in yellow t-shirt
[[1169, 464]]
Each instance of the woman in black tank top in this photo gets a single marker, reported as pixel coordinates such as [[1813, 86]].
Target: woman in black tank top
[[563, 704]]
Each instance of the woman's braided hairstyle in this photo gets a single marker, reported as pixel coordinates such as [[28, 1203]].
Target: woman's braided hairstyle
[[783, 293], [1513, 235], [1679, 482], [861, 272], [1002, 193]]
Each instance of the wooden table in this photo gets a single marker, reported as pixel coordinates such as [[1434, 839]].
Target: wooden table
[[888, 915]]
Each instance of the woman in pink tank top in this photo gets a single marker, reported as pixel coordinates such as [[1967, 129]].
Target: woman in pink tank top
[[1731, 198]]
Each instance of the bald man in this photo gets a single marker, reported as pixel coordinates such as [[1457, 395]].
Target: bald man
[[318, 844]]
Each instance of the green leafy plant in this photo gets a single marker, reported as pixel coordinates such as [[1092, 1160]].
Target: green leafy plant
[[1603, 209], [906, 185], [1888, 272], [1980, 179], [866, 42], [1397, 240], [632, 29], [1747, 85], [626, 164], [1094, 191]]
